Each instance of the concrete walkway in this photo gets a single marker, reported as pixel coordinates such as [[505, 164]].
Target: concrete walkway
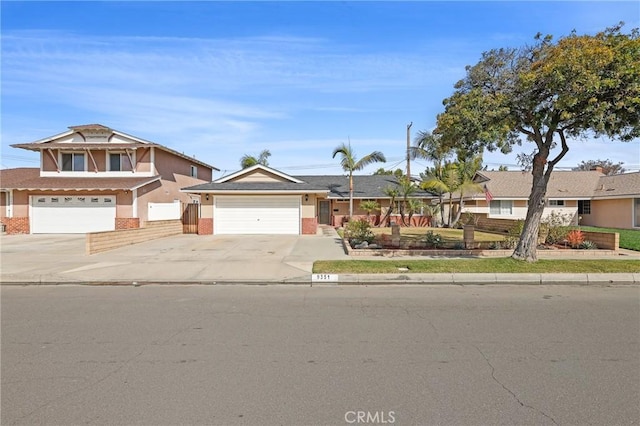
[[255, 259]]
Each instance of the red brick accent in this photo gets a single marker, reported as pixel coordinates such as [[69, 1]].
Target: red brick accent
[[127, 223], [16, 225], [309, 225], [205, 226]]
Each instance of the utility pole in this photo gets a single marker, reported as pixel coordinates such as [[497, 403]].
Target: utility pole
[[409, 150]]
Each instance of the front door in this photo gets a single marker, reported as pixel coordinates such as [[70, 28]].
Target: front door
[[324, 212]]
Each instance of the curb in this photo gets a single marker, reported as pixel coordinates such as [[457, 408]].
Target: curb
[[380, 279]]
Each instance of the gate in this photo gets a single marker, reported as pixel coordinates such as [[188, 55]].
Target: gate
[[190, 217]]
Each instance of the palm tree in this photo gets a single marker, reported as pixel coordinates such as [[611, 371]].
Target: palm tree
[[407, 188], [467, 168], [392, 193], [442, 180], [249, 160], [370, 206], [350, 164]]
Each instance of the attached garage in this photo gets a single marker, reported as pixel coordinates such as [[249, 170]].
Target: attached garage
[[76, 214], [257, 215]]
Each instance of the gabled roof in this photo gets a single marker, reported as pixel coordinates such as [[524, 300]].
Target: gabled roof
[[516, 184], [618, 186], [28, 178], [335, 186], [50, 142], [252, 169]]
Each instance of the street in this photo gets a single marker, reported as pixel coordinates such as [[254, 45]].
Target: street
[[294, 355]]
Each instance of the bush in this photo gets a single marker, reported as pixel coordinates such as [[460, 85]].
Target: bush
[[433, 240], [514, 233], [458, 245], [588, 245], [495, 245], [575, 238], [358, 231], [558, 225]]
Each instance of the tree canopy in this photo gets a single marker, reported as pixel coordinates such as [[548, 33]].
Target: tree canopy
[[608, 166], [250, 160], [577, 87]]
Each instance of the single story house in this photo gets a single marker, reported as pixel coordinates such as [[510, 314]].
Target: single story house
[[262, 200], [94, 178], [583, 197]]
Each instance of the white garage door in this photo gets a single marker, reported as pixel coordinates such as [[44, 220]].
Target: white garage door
[[257, 215], [75, 214]]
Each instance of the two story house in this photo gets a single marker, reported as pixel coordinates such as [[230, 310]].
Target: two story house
[[93, 178]]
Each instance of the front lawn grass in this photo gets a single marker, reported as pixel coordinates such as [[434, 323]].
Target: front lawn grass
[[629, 238], [492, 265]]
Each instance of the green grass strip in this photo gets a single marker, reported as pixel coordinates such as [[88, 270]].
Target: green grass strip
[[492, 265]]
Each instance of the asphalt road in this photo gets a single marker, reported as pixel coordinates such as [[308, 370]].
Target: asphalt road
[[267, 355]]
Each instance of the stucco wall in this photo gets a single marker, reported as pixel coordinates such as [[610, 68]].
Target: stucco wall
[[309, 207], [124, 204], [168, 165], [259, 176], [3, 204], [21, 203], [610, 214]]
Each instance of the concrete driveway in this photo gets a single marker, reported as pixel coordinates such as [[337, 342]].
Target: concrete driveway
[[249, 258]]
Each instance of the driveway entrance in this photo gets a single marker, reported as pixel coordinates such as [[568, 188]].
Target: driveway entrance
[[180, 258]]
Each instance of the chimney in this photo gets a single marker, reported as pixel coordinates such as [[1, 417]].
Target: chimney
[[598, 169]]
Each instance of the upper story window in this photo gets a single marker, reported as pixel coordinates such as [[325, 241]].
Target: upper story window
[[194, 172], [501, 207], [556, 203], [119, 162], [73, 162]]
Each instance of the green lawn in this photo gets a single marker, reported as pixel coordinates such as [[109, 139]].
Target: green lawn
[[492, 265], [629, 238]]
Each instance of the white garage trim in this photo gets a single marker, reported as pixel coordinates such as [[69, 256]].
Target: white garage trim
[[72, 214], [276, 214]]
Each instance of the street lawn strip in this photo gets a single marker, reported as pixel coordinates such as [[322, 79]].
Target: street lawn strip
[[629, 238], [491, 265]]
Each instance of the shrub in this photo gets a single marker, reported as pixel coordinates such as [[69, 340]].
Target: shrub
[[433, 240], [495, 245], [458, 245], [513, 235], [575, 238], [358, 231], [588, 245], [558, 225]]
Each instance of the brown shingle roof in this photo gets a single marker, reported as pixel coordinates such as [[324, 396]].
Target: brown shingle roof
[[28, 178], [622, 185], [562, 184]]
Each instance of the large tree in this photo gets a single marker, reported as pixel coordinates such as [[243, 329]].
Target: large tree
[[608, 167], [350, 163], [580, 86]]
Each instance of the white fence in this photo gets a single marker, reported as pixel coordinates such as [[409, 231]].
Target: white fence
[[164, 211]]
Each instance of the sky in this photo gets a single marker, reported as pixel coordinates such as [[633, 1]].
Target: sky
[[217, 80]]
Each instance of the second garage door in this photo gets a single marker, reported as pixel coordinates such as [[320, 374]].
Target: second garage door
[[257, 215]]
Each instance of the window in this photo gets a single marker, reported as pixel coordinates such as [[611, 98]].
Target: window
[[119, 162], [636, 213], [555, 203], [584, 206], [194, 172], [501, 207], [72, 162]]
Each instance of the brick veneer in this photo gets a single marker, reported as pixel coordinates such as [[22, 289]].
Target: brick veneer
[[309, 225], [205, 226], [16, 225], [127, 223]]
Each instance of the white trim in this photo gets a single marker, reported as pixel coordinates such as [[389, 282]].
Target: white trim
[[253, 192], [30, 213], [97, 174], [9, 201], [134, 194], [256, 167]]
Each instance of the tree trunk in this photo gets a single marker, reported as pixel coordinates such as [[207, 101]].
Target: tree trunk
[[527, 246], [459, 213], [440, 199]]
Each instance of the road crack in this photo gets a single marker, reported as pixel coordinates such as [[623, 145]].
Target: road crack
[[493, 376]]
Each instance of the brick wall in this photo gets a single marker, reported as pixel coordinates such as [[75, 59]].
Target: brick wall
[[604, 240], [309, 225], [97, 242], [127, 223], [16, 225], [205, 226]]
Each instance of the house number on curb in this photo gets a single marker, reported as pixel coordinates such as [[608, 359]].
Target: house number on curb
[[324, 278]]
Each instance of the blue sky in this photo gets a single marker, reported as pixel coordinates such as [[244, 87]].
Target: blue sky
[[221, 79]]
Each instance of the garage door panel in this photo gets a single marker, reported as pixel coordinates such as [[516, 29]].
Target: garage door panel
[[76, 214], [257, 215]]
